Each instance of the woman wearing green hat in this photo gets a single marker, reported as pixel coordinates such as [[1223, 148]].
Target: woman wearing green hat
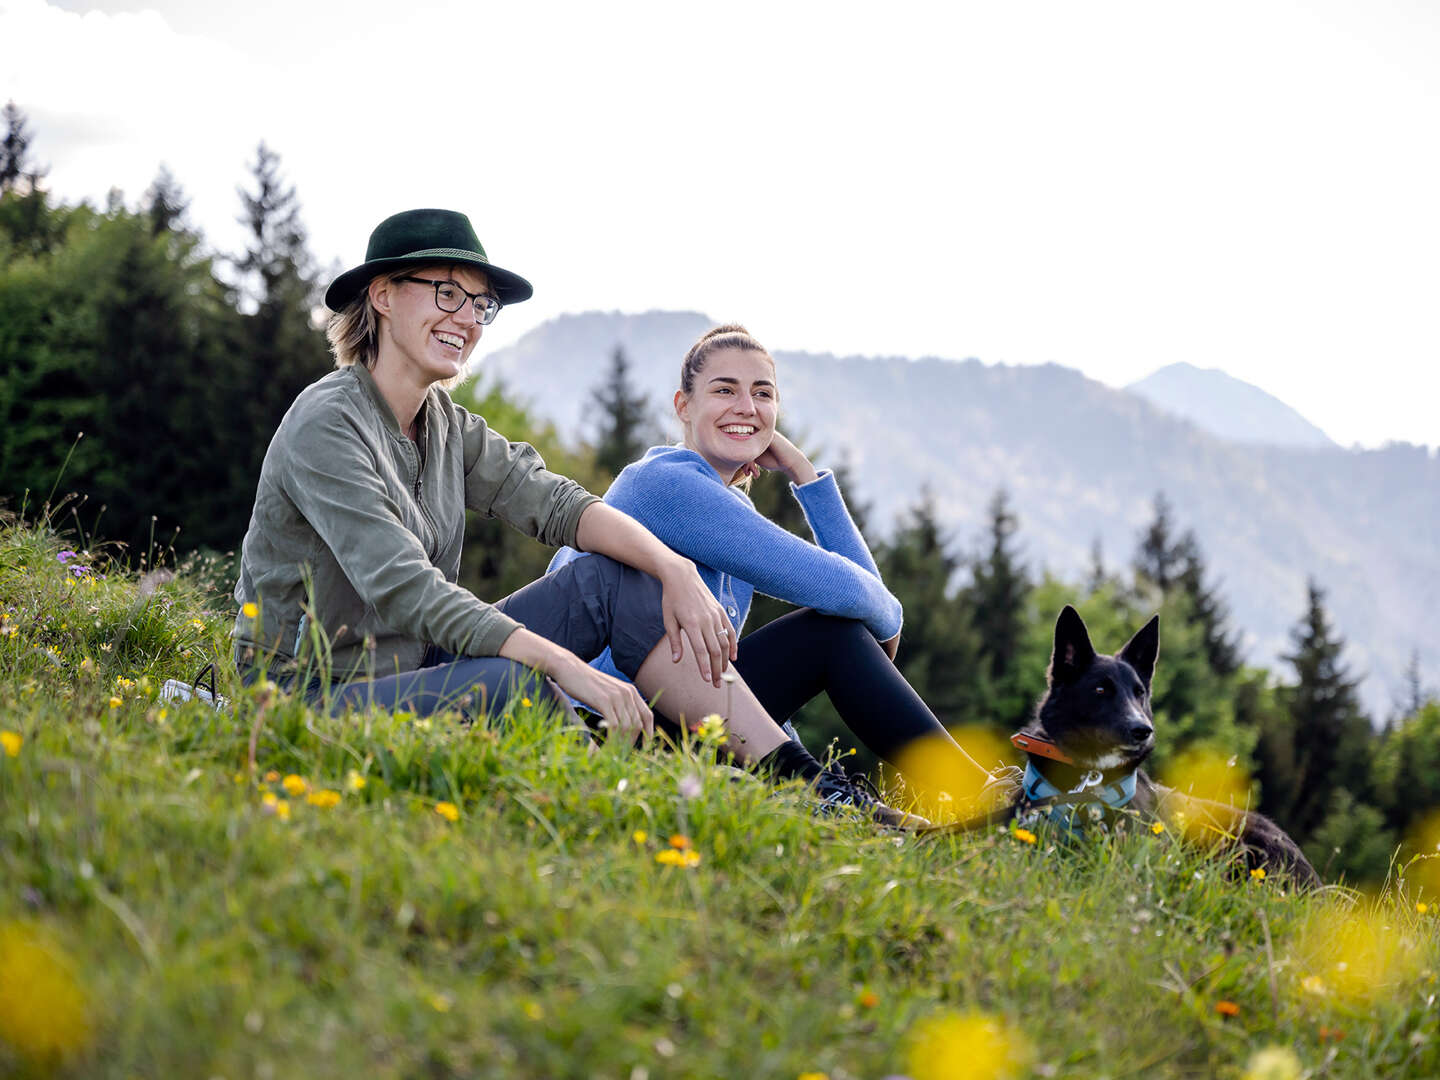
[[354, 542]]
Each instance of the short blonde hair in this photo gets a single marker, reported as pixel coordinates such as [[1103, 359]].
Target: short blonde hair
[[354, 330]]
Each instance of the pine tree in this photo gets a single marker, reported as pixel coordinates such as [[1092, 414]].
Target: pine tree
[[1000, 591], [165, 203], [1158, 556], [625, 427], [17, 171], [1332, 737], [1207, 609], [939, 650]]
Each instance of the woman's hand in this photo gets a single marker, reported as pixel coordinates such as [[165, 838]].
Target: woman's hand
[[782, 455], [689, 607], [621, 705], [623, 710]]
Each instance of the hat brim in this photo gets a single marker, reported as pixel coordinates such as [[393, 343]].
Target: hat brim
[[507, 287]]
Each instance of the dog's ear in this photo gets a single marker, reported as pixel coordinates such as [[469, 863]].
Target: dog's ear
[[1141, 651], [1073, 651]]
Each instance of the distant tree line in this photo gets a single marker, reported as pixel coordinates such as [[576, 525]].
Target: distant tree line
[[178, 362]]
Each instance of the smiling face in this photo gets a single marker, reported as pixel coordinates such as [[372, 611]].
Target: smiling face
[[417, 339], [729, 415]]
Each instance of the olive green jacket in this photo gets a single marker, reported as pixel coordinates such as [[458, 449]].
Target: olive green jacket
[[346, 511]]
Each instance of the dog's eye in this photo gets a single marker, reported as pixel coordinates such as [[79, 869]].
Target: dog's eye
[[1100, 690]]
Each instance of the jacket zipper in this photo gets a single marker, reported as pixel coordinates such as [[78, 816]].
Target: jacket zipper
[[434, 549]]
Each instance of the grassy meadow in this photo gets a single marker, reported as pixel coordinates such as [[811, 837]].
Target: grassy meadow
[[269, 892]]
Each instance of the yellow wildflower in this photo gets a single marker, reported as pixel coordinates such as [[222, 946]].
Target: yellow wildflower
[[1421, 908], [1313, 984], [249, 610], [813, 1076], [712, 727], [123, 682], [868, 999], [441, 1002], [639, 836], [1227, 1008], [271, 776], [115, 703], [294, 785], [448, 810], [354, 781], [968, 1046], [282, 810], [1025, 835], [525, 702], [269, 799], [674, 857], [1273, 1063], [1258, 873], [324, 798], [11, 741], [43, 1010], [679, 841], [1158, 828], [533, 1010], [197, 624]]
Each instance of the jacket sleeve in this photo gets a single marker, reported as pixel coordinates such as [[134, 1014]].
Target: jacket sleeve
[[682, 504], [330, 475], [509, 480], [829, 519]]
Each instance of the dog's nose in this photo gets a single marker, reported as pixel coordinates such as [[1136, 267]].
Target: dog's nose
[[1140, 732]]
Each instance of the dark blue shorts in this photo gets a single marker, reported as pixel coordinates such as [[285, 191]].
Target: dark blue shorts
[[584, 606]]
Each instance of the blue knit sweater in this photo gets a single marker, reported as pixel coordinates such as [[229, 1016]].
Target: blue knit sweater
[[678, 496]]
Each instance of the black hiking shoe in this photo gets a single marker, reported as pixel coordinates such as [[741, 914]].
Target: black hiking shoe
[[837, 788]]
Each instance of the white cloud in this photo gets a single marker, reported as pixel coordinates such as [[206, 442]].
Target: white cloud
[[1112, 186]]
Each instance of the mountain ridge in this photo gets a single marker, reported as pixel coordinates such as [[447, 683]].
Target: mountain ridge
[[1082, 462]]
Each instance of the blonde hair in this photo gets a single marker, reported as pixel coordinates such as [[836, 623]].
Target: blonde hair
[[354, 330]]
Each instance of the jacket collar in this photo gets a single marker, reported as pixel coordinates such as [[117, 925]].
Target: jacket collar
[[366, 379]]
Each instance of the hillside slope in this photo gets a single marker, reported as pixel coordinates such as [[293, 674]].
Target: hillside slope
[[1228, 408]]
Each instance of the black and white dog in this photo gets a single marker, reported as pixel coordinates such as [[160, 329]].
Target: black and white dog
[[1091, 732]]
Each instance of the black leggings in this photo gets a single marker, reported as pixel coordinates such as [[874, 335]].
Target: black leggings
[[791, 660]]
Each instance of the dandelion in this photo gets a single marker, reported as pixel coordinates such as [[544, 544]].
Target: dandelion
[[1158, 828], [448, 810], [11, 741], [115, 703], [354, 781], [813, 1076], [672, 857], [525, 703], [249, 610], [268, 800], [679, 842], [294, 785], [1258, 874], [967, 1046], [712, 727], [1025, 836], [43, 1010], [1421, 908], [639, 836], [282, 810], [324, 798], [1227, 1008], [1273, 1063]]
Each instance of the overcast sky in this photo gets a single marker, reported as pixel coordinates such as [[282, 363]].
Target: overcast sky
[[1113, 186]]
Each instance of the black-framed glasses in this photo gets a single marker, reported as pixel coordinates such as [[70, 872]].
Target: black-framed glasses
[[451, 297]]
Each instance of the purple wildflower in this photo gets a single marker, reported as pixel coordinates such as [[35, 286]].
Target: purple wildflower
[[66, 556]]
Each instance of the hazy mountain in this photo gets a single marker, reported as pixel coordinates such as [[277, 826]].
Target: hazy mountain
[[1228, 407], [1081, 461]]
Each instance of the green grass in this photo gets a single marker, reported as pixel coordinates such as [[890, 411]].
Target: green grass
[[158, 918]]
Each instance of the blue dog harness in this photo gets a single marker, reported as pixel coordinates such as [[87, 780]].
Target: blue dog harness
[[1036, 788]]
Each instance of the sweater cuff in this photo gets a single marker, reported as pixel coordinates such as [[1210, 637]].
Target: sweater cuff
[[492, 630]]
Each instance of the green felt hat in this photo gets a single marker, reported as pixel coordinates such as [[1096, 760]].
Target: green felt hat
[[414, 237]]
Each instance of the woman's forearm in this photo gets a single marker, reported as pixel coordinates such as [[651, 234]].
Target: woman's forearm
[[606, 531]]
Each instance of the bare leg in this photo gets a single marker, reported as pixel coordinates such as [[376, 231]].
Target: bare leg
[[686, 699]]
